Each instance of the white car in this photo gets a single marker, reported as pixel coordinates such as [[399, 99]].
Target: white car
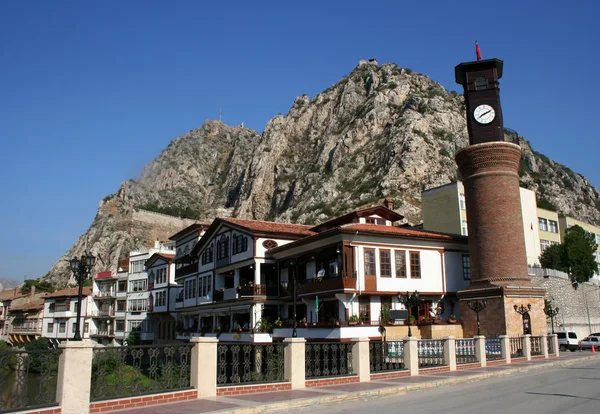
[[567, 340], [587, 342]]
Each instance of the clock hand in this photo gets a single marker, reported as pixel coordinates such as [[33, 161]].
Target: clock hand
[[485, 113]]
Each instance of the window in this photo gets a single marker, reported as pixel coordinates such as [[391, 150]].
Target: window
[[223, 247], [134, 326], [385, 263], [207, 255], [86, 327], [364, 308], [544, 244], [400, 263], [377, 221], [204, 286], [121, 306], [369, 262], [73, 327], [415, 265], [50, 327], [553, 226], [461, 200], [119, 326], [122, 286], [51, 307], [466, 263], [543, 224], [62, 327], [240, 244], [598, 238], [138, 285], [137, 266], [137, 305], [481, 83], [464, 228]]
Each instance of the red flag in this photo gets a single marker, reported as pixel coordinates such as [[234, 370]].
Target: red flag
[[477, 50]]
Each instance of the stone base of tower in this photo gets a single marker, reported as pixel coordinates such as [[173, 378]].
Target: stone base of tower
[[499, 317]]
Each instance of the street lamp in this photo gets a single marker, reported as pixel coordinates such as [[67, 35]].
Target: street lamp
[[550, 313], [81, 269], [524, 312], [522, 309], [409, 300], [477, 306], [295, 299]]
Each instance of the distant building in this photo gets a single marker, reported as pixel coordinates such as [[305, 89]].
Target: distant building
[[60, 314], [6, 298]]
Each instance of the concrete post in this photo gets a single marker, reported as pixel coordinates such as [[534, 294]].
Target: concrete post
[[527, 346], [411, 355], [553, 338], [545, 345], [74, 377], [480, 350], [505, 347], [204, 366], [361, 359], [295, 362], [450, 352]]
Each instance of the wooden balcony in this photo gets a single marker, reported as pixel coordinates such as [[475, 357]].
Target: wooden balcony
[[327, 283]]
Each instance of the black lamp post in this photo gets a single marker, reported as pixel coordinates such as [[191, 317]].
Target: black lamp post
[[522, 309], [295, 299], [551, 313], [477, 306], [81, 269], [409, 300]]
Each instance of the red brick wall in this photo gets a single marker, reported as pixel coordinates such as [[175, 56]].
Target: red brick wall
[[388, 375], [468, 366], [253, 389], [330, 381], [56, 410], [434, 369], [142, 401]]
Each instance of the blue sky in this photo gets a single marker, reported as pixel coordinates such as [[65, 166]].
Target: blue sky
[[93, 91]]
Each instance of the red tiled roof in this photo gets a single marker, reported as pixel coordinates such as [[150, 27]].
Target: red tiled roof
[[272, 227], [70, 292], [103, 275], [33, 305], [364, 212], [400, 231], [10, 294]]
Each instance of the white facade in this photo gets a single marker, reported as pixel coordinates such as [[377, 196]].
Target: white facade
[[60, 315]]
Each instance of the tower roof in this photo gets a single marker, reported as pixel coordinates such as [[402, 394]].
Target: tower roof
[[459, 70]]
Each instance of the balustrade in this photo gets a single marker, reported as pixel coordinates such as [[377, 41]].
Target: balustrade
[[328, 359], [386, 356], [249, 363], [431, 353]]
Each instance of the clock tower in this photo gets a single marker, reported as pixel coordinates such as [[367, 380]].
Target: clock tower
[[490, 171]]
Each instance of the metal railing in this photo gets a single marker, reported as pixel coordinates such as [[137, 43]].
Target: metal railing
[[126, 371], [536, 345], [431, 353], [493, 349], [102, 332], [516, 347], [249, 363], [465, 351], [328, 359], [386, 356], [28, 379]]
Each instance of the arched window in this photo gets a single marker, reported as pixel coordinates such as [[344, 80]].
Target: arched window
[[481, 83]]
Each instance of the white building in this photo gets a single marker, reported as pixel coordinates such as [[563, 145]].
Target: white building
[[60, 314], [163, 293], [104, 293]]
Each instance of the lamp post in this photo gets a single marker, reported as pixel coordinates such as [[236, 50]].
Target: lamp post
[[550, 313], [409, 300], [524, 312], [81, 269], [477, 306], [294, 298], [522, 309]]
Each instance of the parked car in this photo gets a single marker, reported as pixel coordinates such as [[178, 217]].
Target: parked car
[[595, 334], [567, 340], [588, 341]]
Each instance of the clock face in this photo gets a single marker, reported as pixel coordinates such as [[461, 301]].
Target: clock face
[[484, 114]]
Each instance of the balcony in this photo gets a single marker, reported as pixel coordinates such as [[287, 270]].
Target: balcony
[[103, 313], [186, 270], [102, 333], [327, 283], [25, 330], [257, 290], [105, 294]]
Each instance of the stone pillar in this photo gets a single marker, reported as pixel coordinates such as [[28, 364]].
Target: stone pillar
[[203, 368], [450, 352], [545, 345], [74, 383], [527, 346], [361, 359], [480, 350], [553, 338], [505, 347], [295, 362], [411, 355]]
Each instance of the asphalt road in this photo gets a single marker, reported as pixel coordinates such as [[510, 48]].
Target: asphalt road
[[573, 389]]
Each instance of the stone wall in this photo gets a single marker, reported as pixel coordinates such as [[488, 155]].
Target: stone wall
[[579, 309], [148, 225]]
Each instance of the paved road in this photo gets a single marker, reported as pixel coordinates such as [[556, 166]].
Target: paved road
[[574, 389]]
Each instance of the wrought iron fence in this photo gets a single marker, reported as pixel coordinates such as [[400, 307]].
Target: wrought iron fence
[[328, 359], [28, 379], [493, 349], [125, 371], [465, 351], [516, 347], [386, 356], [249, 363], [536, 345], [431, 353]]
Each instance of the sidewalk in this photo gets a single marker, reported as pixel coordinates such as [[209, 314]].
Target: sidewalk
[[281, 400]]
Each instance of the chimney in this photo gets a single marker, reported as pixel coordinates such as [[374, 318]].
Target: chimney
[[388, 203], [32, 291]]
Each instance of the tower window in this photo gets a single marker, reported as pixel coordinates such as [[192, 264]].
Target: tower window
[[481, 83]]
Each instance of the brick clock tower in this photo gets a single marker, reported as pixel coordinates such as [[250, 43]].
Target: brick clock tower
[[490, 171]]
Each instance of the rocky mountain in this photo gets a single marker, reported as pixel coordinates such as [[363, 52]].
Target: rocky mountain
[[8, 284], [382, 131]]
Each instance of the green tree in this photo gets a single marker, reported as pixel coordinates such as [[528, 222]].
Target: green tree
[[574, 256]]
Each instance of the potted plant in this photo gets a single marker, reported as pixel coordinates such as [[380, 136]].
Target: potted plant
[[303, 322], [250, 283], [353, 320], [278, 323], [452, 319], [236, 336], [385, 314], [239, 287], [412, 320], [363, 316]]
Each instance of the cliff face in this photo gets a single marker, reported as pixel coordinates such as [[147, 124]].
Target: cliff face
[[382, 131]]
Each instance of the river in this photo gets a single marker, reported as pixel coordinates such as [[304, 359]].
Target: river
[[33, 391]]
